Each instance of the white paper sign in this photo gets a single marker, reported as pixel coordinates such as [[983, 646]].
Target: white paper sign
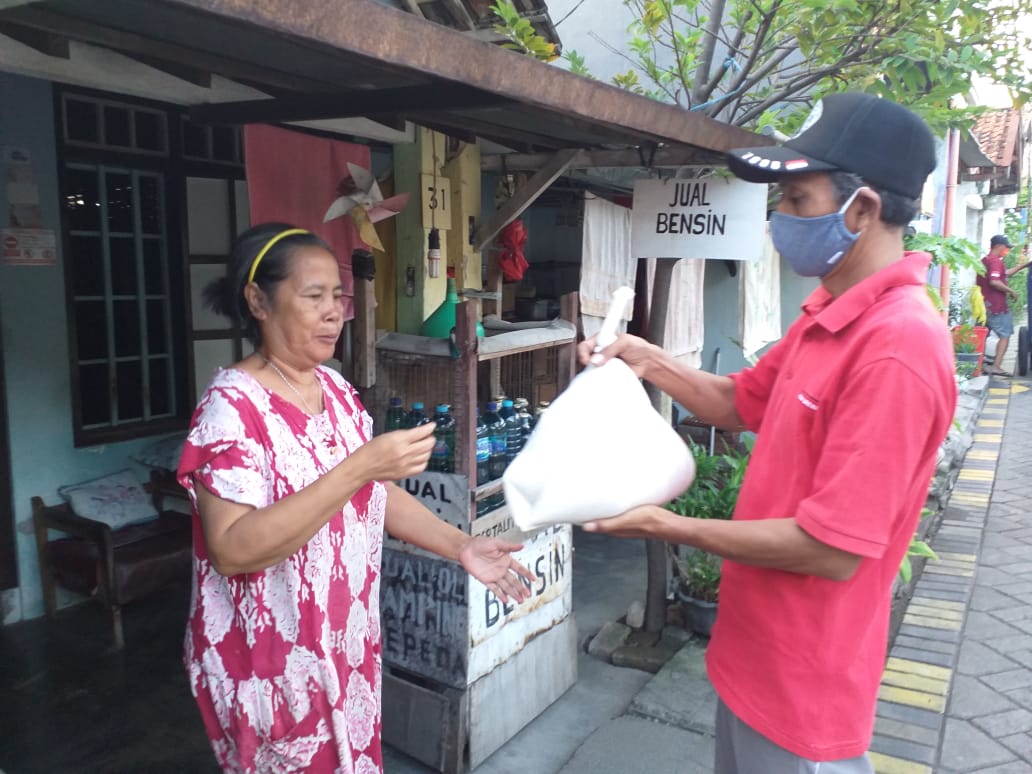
[[29, 246], [713, 218]]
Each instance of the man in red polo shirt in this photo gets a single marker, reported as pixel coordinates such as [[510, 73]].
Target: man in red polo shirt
[[850, 409], [996, 292]]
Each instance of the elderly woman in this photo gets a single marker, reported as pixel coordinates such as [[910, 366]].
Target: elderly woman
[[290, 497]]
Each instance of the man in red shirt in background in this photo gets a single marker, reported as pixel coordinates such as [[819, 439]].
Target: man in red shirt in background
[[850, 409], [996, 291]]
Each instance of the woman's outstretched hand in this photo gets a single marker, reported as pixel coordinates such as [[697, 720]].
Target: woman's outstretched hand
[[490, 561]]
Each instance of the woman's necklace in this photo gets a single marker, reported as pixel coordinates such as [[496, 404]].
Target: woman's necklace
[[287, 382]]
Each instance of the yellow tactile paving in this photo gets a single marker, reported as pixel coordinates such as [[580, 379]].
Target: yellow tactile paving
[[931, 623], [1019, 388], [934, 612], [916, 683], [963, 564], [918, 668], [887, 764], [938, 604], [912, 698], [970, 498], [983, 455], [976, 474], [937, 569], [956, 558]]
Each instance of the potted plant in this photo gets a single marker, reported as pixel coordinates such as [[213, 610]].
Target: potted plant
[[713, 495], [969, 349]]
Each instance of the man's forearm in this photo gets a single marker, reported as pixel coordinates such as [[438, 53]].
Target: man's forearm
[[709, 397]]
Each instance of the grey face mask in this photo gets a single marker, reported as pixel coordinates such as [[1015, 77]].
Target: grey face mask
[[813, 246]]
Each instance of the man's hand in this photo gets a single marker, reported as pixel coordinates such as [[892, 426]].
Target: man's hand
[[634, 351], [648, 521]]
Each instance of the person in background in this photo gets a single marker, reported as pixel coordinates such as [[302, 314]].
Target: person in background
[[290, 497], [997, 293], [850, 409]]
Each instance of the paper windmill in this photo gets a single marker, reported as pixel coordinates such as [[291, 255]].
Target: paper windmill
[[360, 197]]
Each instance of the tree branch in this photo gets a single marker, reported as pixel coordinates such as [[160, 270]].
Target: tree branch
[[710, 32]]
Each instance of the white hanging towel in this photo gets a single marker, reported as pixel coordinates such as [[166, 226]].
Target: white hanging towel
[[759, 299], [685, 327], [607, 262]]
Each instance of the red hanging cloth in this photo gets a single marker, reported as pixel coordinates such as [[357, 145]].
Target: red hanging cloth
[[511, 239]]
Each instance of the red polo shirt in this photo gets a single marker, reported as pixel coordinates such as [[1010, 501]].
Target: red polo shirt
[[850, 409], [995, 269]]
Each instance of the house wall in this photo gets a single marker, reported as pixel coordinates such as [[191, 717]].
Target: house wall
[[35, 351], [720, 292]]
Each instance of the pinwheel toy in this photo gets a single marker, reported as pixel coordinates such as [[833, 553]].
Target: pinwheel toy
[[359, 196]]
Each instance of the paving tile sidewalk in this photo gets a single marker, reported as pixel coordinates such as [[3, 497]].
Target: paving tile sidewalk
[[956, 697]]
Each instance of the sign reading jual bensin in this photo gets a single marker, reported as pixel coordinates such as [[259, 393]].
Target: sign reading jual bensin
[[711, 217]]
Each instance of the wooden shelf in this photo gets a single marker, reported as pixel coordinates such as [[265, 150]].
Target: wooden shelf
[[489, 347]]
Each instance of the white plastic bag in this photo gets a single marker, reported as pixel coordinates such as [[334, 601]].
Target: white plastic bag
[[600, 449]]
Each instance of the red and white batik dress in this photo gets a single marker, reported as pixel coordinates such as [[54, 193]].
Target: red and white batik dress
[[285, 662]]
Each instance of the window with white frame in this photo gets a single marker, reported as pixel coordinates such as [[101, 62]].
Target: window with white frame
[[123, 170]]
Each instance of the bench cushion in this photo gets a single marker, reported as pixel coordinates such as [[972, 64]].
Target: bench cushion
[[117, 500]]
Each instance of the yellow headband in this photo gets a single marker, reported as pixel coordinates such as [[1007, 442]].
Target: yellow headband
[[268, 246]]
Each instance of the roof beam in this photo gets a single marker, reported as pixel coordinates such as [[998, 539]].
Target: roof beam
[[40, 18], [523, 198], [503, 135], [586, 159], [38, 40], [404, 41], [407, 100]]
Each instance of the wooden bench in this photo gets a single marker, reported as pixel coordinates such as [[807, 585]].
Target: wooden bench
[[115, 566]]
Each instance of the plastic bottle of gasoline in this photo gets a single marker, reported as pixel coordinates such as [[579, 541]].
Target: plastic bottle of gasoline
[[442, 458], [483, 460], [496, 432], [395, 415], [416, 417], [522, 406], [513, 434]]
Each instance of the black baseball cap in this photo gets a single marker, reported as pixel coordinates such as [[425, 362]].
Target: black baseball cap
[[886, 144], [1000, 239]]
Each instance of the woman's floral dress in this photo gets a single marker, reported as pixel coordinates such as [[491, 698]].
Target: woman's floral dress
[[285, 662]]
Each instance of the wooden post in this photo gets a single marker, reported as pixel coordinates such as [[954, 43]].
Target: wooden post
[[655, 550], [465, 393], [569, 310], [363, 333]]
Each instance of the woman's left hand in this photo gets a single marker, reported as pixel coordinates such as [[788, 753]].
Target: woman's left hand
[[490, 561]]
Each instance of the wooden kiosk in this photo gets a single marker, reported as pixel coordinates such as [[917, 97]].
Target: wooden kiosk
[[450, 647]]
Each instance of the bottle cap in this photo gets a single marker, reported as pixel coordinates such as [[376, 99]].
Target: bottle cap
[[395, 401], [417, 406], [492, 406], [507, 403], [443, 408]]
